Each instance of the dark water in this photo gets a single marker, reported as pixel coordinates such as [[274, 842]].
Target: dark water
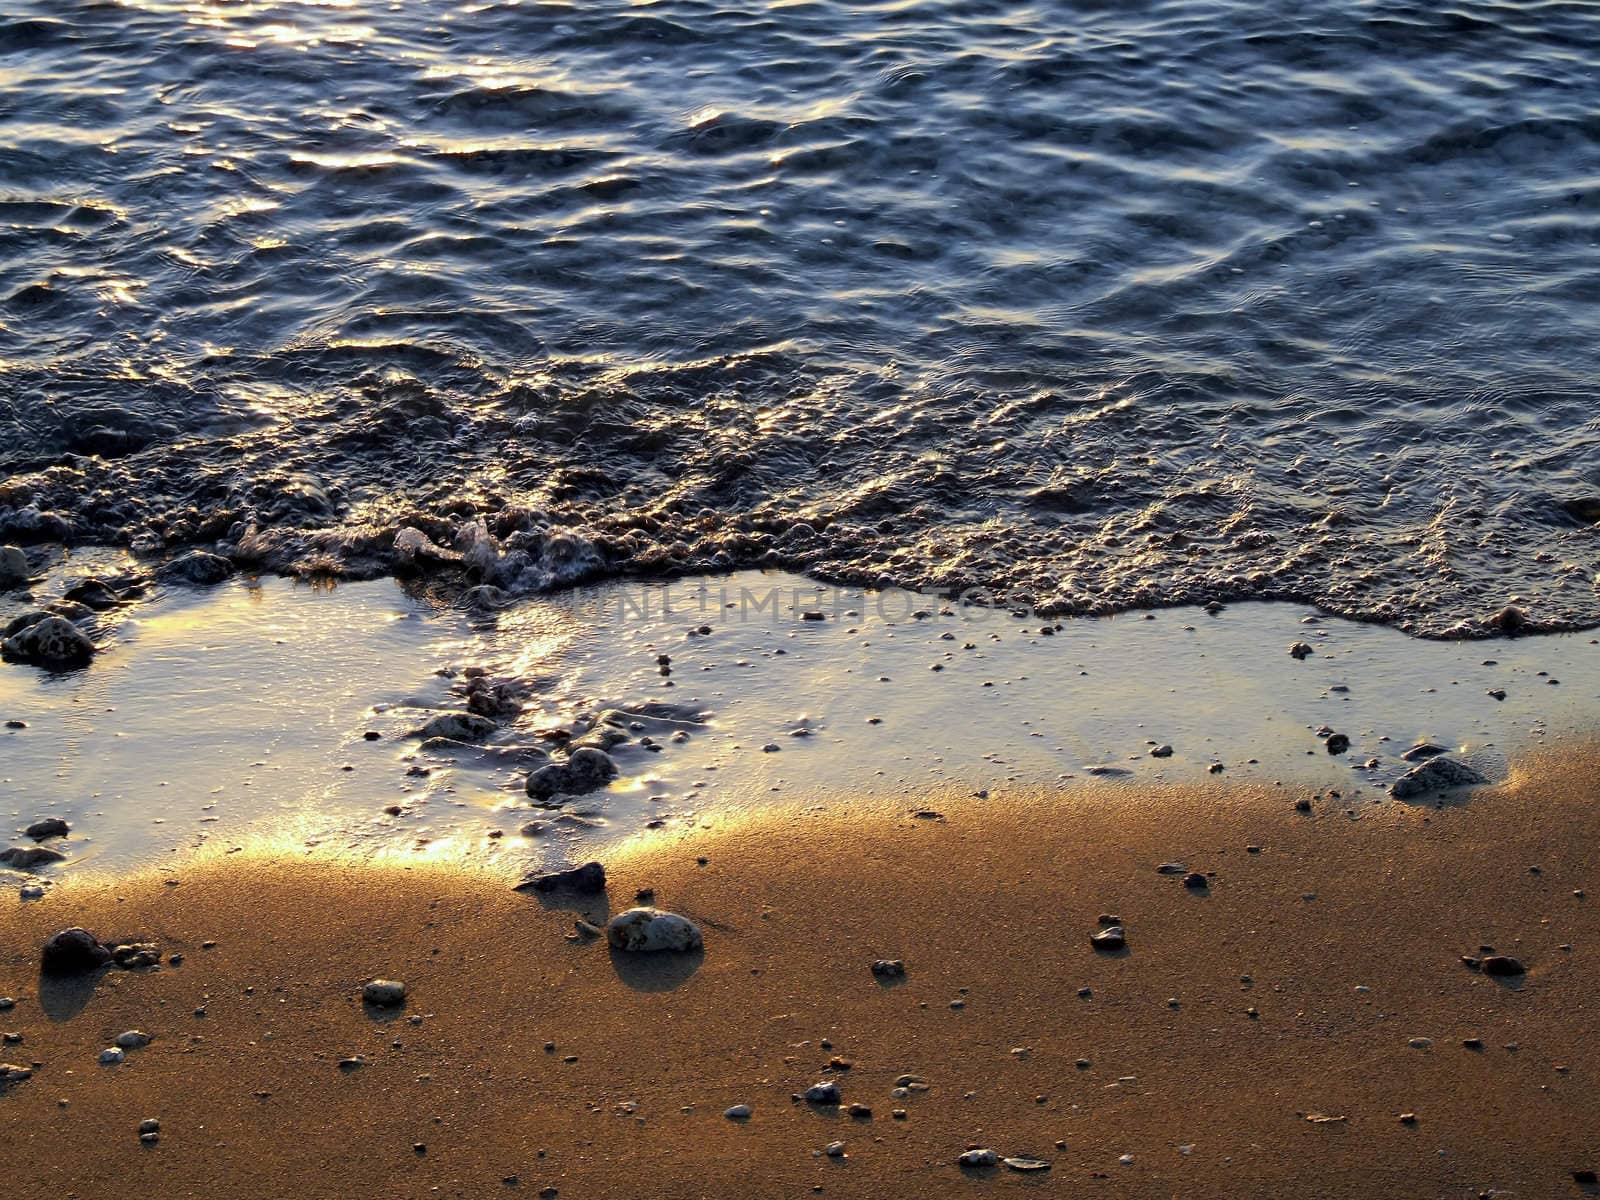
[[1096, 304]]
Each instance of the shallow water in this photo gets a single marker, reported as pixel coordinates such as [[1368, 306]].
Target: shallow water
[[1096, 305], [240, 715]]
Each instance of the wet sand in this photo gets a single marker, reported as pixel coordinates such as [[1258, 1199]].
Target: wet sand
[[1344, 936]]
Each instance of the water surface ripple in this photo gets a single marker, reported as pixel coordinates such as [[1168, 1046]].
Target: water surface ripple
[[1099, 305]]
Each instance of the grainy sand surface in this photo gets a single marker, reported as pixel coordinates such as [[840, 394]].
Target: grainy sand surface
[[1343, 935]]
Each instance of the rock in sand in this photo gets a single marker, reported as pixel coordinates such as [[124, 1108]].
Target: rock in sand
[[457, 727], [590, 878], [384, 993], [650, 929], [49, 642], [1435, 775], [1112, 937], [72, 952], [25, 858]]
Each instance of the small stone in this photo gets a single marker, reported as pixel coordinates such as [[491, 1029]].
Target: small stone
[[11, 1073], [826, 1093], [197, 567], [1171, 868], [1195, 881], [889, 968], [739, 1112], [585, 770], [1420, 1043], [860, 1112], [72, 952], [1502, 965], [135, 956], [13, 567], [133, 1039], [978, 1159], [1301, 651], [1302, 805], [590, 877], [1436, 775], [1112, 937], [26, 858], [1338, 743], [1509, 619], [1162, 751], [1422, 751], [111, 1056], [650, 929], [47, 827], [384, 993], [835, 1150], [51, 641], [1408, 1118], [457, 727]]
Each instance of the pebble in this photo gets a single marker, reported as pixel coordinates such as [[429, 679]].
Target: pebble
[[585, 770], [978, 1159], [651, 929], [72, 952], [47, 827], [111, 1056], [1338, 743], [1503, 965], [826, 1092], [739, 1112], [384, 993], [590, 877], [1195, 881], [1436, 775], [51, 641], [25, 858], [133, 1039], [835, 1150], [1301, 651], [1112, 937], [889, 968]]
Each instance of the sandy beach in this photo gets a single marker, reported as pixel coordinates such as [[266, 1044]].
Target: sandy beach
[[1303, 1025]]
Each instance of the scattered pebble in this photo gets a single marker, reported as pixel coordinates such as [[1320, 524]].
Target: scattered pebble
[[384, 993], [650, 929]]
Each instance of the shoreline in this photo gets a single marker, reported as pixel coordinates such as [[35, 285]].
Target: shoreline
[[1350, 933], [297, 712], [467, 579]]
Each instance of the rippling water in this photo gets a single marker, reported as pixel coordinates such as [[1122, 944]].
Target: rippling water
[[1095, 304]]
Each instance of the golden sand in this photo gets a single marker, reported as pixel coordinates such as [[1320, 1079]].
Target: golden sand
[[1294, 985]]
